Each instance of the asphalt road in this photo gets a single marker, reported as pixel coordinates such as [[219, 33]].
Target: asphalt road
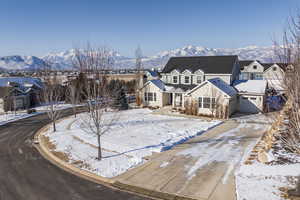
[[26, 175]]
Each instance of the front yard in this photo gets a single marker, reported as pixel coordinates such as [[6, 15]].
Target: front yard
[[135, 135]]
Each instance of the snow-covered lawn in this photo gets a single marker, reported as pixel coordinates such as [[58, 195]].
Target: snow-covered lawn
[[137, 134], [264, 182]]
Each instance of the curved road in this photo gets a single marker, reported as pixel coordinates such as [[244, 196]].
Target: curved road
[[26, 175]]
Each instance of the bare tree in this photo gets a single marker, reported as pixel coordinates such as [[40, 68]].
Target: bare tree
[[139, 74], [52, 95], [97, 61], [73, 96], [289, 52]]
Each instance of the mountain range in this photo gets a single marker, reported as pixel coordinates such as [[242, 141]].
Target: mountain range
[[63, 60]]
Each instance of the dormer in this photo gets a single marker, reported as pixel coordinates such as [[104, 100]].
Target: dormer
[[198, 76], [186, 77], [175, 76]]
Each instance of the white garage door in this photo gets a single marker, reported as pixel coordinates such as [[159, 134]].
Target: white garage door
[[250, 104]]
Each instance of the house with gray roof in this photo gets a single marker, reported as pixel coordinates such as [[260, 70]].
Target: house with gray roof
[[19, 93], [213, 85], [183, 77]]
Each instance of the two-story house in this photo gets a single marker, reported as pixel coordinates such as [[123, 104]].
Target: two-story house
[[183, 78], [273, 73]]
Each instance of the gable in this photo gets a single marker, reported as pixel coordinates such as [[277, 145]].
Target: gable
[[217, 85]]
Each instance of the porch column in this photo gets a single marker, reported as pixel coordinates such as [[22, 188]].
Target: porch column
[[173, 100]]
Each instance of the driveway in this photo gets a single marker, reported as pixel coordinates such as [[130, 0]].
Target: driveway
[[202, 168], [25, 174]]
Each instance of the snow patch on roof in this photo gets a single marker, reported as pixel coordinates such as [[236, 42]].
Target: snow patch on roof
[[251, 86]]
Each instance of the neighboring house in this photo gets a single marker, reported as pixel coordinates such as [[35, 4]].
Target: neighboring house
[[272, 72], [251, 70], [251, 95], [19, 93]]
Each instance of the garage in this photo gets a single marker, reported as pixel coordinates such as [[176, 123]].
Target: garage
[[250, 104], [251, 95]]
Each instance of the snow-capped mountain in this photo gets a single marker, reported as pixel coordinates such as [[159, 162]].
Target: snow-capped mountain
[[21, 62], [64, 60]]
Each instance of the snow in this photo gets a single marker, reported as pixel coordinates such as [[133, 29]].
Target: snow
[[11, 116], [251, 86], [137, 133], [260, 181], [219, 83], [224, 148]]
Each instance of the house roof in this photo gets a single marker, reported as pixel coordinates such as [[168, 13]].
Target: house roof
[[251, 86], [220, 84], [23, 81], [244, 63], [158, 83], [208, 64], [179, 87], [153, 73], [283, 66]]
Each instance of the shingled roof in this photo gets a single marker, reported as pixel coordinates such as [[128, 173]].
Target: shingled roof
[[283, 66], [208, 64]]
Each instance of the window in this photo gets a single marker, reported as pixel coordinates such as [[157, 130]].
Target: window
[[199, 79], [200, 102], [245, 98], [254, 67], [259, 76], [213, 103], [150, 96], [206, 102], [186, 79], [274, 68], [175, 79], [252, 98]]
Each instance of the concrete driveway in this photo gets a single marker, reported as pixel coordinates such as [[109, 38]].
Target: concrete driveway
[[202, 168]]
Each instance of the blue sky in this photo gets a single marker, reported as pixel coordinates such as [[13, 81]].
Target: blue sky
[[36, 27]]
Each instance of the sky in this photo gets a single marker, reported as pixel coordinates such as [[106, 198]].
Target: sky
[[37, 27]]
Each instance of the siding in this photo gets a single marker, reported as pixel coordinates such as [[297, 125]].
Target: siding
[[160, 99]]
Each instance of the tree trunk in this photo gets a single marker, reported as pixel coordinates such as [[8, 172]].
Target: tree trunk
[[54, 125], [99, 148]]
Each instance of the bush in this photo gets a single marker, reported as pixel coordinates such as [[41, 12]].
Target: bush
[[30, 111]]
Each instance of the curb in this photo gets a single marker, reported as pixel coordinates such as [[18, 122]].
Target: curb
[[147, 192]]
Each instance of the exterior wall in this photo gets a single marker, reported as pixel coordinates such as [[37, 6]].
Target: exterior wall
[[251, 68], [225, 77], [160, 98], [250, 103], [253, 71], [274, 73], [208, 90]]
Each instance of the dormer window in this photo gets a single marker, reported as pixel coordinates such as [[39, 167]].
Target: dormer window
[[175, 79], [186, 79], [254, 67]]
